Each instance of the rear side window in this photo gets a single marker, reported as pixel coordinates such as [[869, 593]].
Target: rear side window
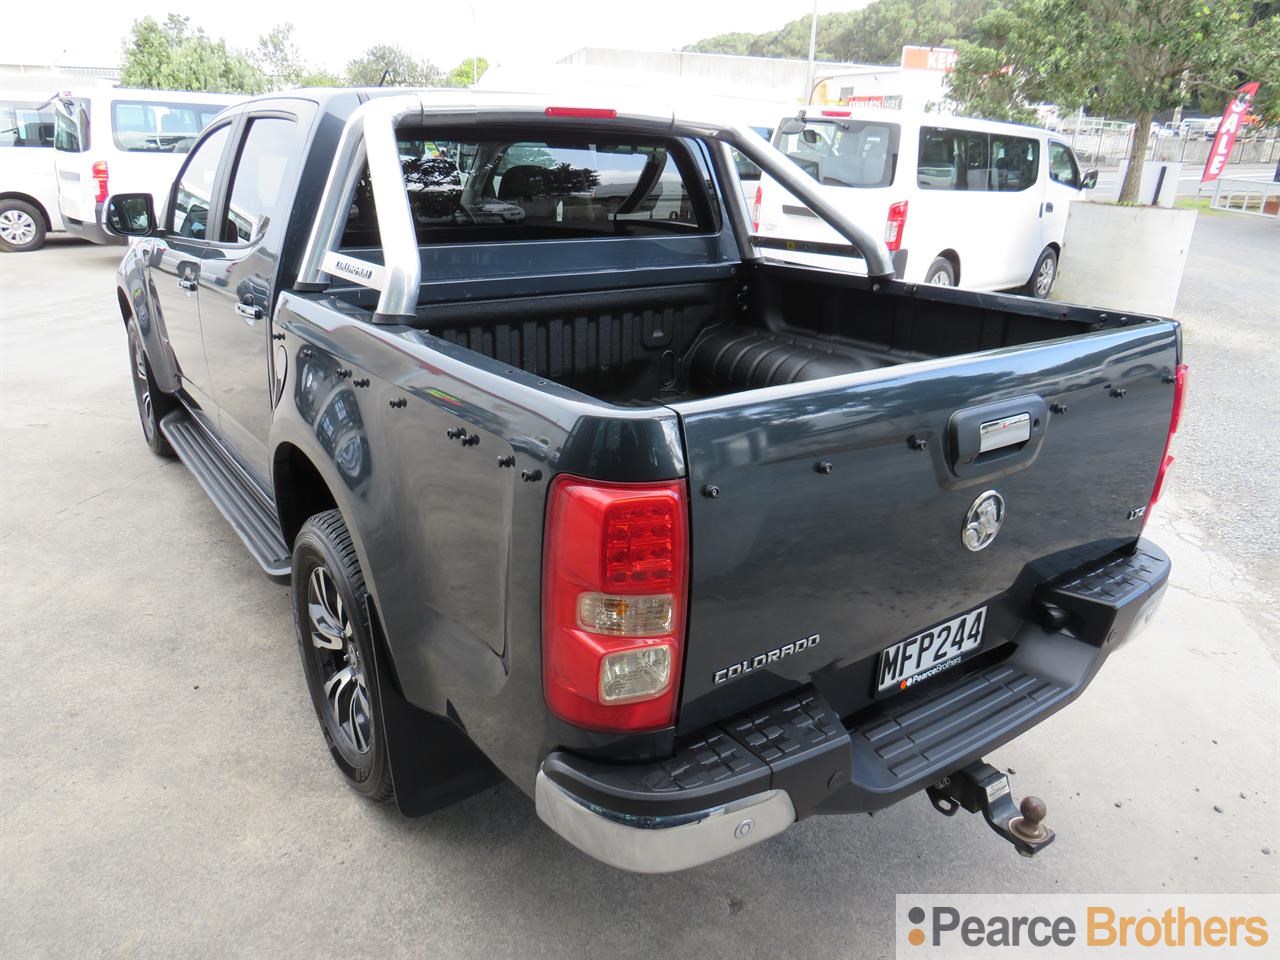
[[267, 163], [25, 124], [845, 153], [472, 190], [972, 161], [140, 126]]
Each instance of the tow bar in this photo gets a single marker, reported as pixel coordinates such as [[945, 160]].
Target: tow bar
[[981, 787]]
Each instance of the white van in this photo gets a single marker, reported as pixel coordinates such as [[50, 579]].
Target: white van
[[114, 140], [964, 202], [28, 184]]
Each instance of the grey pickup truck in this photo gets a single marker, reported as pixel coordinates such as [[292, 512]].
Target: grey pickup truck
[[576, 483]]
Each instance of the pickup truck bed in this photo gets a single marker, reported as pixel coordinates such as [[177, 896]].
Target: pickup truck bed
[[809, 482]]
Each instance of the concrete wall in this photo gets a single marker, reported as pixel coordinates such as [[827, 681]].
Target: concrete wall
[[1124, 258], [765, 77]]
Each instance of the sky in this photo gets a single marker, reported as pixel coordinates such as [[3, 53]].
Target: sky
[[509, 32]]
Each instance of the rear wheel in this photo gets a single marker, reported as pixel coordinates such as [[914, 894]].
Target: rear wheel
[[337, 652], [1042, 277], [21, 227], [153, 405], [941, 273]]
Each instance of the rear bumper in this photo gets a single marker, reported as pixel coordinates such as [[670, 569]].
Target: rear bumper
[[91, 230], [747, 779]]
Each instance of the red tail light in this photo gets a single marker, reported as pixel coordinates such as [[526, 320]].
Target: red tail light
[[755, 210], [588, 113], [1175, 420], [100, 175], [837, 113], [614, 595], [895, 225]]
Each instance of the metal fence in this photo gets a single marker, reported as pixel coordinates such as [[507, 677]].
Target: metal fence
[[1260, 197], [1099, 142]]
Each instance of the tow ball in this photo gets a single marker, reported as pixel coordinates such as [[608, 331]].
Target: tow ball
[[980, 787]]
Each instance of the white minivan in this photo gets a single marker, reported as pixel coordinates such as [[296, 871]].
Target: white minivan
[[28, 185], [963, 202], [116, 140]]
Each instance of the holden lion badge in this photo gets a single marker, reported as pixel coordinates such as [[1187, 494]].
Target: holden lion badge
[[982, 522]]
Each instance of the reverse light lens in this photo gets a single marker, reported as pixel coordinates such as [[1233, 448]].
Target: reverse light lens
[[636, 674], [615, 579], [614, 616]]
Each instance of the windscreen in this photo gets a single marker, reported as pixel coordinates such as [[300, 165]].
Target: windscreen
[[843, 152], [154, 127], [24, 124], [473, 190]]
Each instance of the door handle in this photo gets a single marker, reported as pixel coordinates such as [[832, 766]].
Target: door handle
[[1048, 208], [249, 311], [186, 284]]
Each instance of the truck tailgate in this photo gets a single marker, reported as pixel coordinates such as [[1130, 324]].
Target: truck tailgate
[[816, 511]]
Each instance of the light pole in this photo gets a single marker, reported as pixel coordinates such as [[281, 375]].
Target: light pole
[[813, 49], [475, 44]]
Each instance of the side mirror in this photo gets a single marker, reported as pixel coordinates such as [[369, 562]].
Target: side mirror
[[1090, 180], [791, 125], [130, 215]]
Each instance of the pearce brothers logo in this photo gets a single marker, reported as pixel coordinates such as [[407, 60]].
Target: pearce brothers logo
[[1031, 925]]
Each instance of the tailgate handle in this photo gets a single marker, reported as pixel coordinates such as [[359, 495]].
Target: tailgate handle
[[994, 434], [994, 437]]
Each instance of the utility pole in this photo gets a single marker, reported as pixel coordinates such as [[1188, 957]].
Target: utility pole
[[813, 50]]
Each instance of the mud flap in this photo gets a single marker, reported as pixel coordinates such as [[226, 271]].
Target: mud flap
[[433, 762]]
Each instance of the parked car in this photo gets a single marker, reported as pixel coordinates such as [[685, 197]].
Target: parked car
[[963, 202], [28, 184], [686, 541], [118, 140]]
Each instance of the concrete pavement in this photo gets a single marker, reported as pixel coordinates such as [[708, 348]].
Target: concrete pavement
[[165, 790]]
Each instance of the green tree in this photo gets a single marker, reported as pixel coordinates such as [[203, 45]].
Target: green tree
[[1120, 58], [319, 78], [278, 56], [173, 56], [461, 75], [875, 34], [390, 66]]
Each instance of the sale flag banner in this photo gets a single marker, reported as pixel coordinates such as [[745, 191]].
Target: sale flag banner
[[1232, 119]]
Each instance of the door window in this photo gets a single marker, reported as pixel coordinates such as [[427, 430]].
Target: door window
[[1015, 162], [193, 195], [266, 165], [1062, 165]]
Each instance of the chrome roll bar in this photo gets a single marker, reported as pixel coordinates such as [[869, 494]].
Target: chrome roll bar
[[370, 137]]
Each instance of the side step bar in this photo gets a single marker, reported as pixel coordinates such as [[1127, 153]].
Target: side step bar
[[247, 508]]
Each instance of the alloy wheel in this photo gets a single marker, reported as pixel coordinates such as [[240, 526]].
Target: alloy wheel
[[341, 665], [142, 386], [1044, 278]]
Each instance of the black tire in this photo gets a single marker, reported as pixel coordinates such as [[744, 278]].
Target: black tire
[[153, 404], [941, 273], [337, 653], [1043, 275], [21, 227]]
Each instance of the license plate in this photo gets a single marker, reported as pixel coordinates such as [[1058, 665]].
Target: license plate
[[927, 654]]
